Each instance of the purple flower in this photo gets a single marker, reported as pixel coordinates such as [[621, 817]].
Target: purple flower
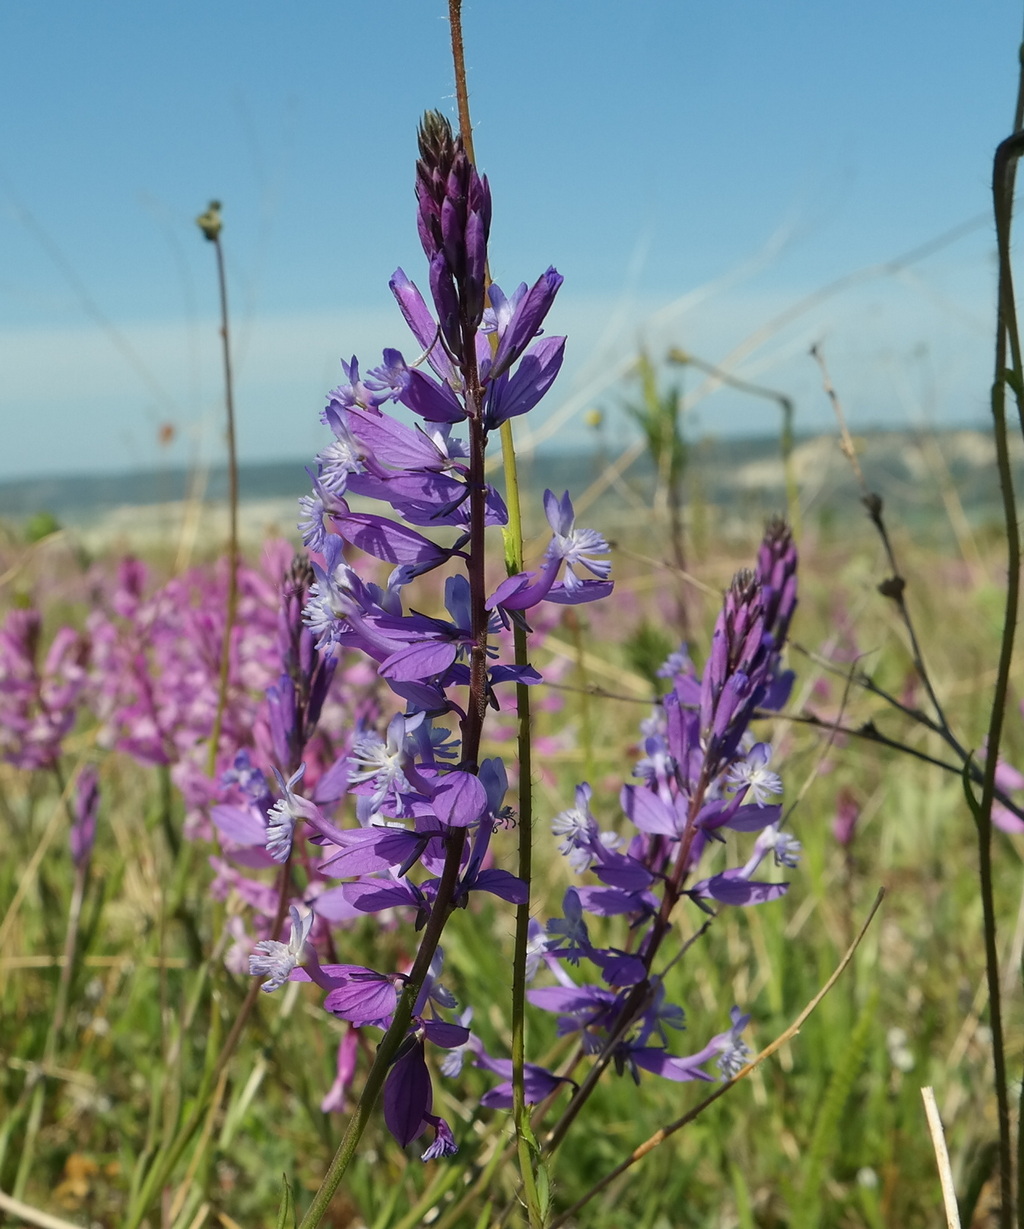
[[379, 765], [344, 456], [424, 328], [283, 815], [476, 877], [538, 1082], [731, 1054], [576, 548], [363, 996], [444, 1142], [408, 1095], [732, 887], [509, 395], [578, 830], [348, 1048], [277, 961], [752, 773], [387, 540], [583, 1007], [518, 320], [460, 800], [568, 935], [677, 662]]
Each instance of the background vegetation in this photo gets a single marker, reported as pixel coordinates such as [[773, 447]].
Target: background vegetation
[[829, 1132]]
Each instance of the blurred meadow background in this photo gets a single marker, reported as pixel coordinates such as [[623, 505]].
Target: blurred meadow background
[[723, 188]]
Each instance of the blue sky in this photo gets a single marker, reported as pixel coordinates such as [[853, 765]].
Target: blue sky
[[694, 170]]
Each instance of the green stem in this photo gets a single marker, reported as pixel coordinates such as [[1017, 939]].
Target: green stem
[[525, 1142]]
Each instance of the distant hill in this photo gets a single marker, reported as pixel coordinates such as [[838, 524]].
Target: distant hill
[[93, 494], [746, 476]]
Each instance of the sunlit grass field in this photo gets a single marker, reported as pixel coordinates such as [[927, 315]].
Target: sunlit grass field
[[829, 1131]]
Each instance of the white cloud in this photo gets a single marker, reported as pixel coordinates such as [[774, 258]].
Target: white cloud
[[85, 399]]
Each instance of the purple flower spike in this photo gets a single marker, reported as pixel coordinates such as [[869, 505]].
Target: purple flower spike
[[776, 570], [38, 702], [425, 822], [700, 773], [738, 670], [454, 221]]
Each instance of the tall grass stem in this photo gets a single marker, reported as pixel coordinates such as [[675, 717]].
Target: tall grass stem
[[211, 226]]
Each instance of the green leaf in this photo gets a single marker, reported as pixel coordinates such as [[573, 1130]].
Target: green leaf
[[543, 1190], [286, 1212]]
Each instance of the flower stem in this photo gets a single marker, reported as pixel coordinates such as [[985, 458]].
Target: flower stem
[[210, 225], [520, 1115]]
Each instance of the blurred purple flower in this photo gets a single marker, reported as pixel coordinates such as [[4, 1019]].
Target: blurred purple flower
[[86, 811], [844, 825]]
